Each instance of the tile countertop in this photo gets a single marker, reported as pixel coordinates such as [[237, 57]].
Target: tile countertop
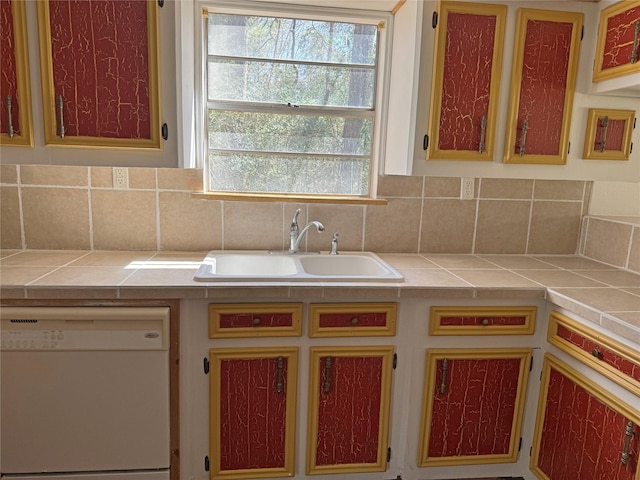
[[597, 292]]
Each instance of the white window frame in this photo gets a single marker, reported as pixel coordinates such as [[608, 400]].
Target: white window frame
[[199, 147]]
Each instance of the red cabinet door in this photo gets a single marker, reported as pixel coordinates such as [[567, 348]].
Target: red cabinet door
[[618, 48], [253, 395], [582, 431], [349, 409], [543, 81], [466, 81], [15, 96], [100, 72], [472, 410]]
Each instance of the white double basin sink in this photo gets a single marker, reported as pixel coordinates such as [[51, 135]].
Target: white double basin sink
[[261, 266]]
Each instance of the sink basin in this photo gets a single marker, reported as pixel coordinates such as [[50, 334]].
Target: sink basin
[[240, 266]]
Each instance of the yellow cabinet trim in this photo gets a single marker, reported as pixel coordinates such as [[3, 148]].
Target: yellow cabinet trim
[[217, 310], [557, 319], [316, 310], [483, 328], [435, 355]]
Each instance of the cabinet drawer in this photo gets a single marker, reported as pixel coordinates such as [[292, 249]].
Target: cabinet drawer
[[482, 320], [613, 360], [234, 320], [352, 319]]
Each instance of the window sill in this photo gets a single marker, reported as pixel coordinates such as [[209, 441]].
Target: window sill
[[266, 197]]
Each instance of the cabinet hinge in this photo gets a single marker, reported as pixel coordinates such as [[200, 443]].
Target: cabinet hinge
[[434, 19], [531, 364], [425, 142], [389, 454], [569, 149], [634, 123], [161, 3], [530, 450], [206, 463], [631, 147], [395, 360], [582, 33], [205, 365], [165, 131], [520, 444]]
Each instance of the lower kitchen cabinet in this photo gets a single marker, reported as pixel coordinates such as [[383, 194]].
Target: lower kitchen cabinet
[[253, 394], [472, 406], [348, 418], [582, 430]]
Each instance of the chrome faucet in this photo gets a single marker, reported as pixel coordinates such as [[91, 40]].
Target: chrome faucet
[[295, 234]]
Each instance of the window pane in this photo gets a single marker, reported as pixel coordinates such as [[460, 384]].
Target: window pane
[[298, 84], [292, 39], [303, 175], [229, 130]]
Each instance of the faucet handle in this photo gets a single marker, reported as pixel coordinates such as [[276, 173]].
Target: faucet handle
[[334, 244], [294, 222]]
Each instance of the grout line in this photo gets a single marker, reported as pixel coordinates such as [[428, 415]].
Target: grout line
[[158, 229], [90, 213], [23, 237]]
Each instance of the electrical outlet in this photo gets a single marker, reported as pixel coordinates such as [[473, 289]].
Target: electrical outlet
[[120, 177], [467, 186]]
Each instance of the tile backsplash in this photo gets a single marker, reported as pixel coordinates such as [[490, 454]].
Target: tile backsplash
[[77, 208]]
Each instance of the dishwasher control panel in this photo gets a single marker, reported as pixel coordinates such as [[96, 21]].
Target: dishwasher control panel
[[45, 339]]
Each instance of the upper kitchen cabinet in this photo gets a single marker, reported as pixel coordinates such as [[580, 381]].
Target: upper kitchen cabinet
[[543, 78], [15, 109], [618, 41], [466, 81], [100, 73]]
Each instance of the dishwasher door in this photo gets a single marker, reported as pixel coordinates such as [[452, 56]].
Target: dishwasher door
[[84, 389]]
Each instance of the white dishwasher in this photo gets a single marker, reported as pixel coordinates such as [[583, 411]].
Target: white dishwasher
[[84, 393]]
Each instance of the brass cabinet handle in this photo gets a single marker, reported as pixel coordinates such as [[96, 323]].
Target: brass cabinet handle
[[628, 431], [603, 140], [443, 381], [523, 137], [256, 321], [7, 103], [597, 353], [483, 134], [327, 374], [60, 105], [485, 322], [280, 382], [354, 321], [636, 38]]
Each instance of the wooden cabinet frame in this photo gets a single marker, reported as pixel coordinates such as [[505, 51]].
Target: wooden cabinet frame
[[439, 88], [516, 132], [316, 353], [389, 310], [51, 108], [599, 129], [627, 68], [592, 388], [23, 87], [483, 327], [435, 355]]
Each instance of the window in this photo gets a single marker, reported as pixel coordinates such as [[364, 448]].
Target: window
[[292, 102]]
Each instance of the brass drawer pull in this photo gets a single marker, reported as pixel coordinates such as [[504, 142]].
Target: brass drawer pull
[[483, 134], [354, 321], [280, 382], [60, 105], [7, 103], [327, 374], [485, 322], [628, 431], [597, 353], [443, 381], [256, 321]]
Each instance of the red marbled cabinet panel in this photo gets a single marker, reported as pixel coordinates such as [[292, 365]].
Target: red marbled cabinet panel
[[8, 77], [349, 413], [607, 356], [618, 42], [544, 81], [614, 138], [365, 319], [253, 414], [477, 320], [100, 66], [241, 320], [475, 414], [581, 437], [466, 82]]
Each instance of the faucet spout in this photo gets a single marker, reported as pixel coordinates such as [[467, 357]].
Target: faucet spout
[[297, 238]]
